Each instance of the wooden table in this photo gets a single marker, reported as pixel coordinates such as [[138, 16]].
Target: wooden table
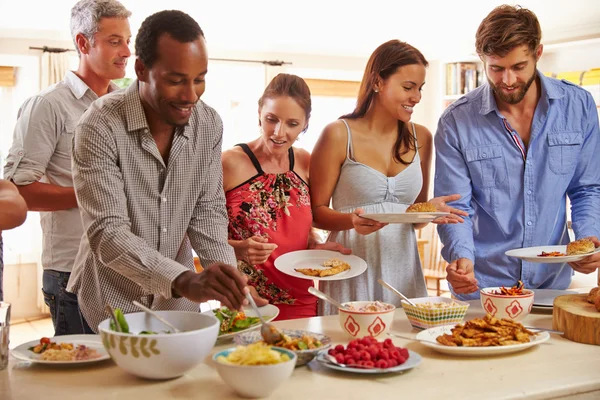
[[556, 369]]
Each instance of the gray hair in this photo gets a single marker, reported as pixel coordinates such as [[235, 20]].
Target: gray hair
[[86, 14]]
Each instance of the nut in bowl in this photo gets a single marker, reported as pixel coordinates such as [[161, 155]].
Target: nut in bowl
[[305, 344], [507, 303], [366, 318], [430, 312], [255, 370], [157, 354]]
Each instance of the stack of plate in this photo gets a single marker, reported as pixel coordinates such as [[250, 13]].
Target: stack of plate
[[543, 299]]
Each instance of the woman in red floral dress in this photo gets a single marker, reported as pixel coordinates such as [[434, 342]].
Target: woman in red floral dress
[[268, 200]]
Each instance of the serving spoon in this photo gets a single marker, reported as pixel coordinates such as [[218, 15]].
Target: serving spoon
[[390, 287], [155, 315], [316, 292], [270, 334]]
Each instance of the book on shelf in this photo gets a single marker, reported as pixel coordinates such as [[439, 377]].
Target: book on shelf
[[463, 77]]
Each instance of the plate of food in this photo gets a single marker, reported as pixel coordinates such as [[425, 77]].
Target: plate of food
[[545, 297], [486, 336], [415, 214], [382, 357], [305, 344], [67, 349], [574, 251], [235, 322], [324, 265]]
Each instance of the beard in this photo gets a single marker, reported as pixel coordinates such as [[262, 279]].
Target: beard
[[518, 95]]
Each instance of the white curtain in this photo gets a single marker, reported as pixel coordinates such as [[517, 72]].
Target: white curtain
[[54, 68]]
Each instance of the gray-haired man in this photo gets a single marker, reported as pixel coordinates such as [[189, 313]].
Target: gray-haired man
[[39, 161]]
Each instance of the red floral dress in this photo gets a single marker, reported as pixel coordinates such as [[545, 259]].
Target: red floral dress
[[276, 207]]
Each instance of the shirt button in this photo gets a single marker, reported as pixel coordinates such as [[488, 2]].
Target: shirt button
[[164, 199], [566, 140], [529, 192], [484, 155], [165, 229], [529, 223]]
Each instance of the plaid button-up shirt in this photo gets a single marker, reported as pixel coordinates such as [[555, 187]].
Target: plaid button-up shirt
[[141, 216]]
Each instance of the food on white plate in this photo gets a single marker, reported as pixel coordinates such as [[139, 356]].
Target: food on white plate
[[376, 306], [581, 246], [257, 353], [305, 342], [421, 207], [51, 351], [368, 352], [489, 331], [233, 321], [332, 266], [551, 254]]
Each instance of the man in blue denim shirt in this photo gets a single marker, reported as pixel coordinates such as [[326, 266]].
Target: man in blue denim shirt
[[514, 149]]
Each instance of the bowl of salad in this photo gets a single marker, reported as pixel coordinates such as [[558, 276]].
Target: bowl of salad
[[146, 348], [233, 322]]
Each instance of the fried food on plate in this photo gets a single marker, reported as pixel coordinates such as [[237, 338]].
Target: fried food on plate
[[333, 267], [421, 207], [581, 246], [551, 254], [489, 331]]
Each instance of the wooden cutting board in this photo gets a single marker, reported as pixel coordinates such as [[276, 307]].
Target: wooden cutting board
[[578, 319]]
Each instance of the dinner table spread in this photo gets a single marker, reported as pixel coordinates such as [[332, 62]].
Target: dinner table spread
[[557, 368]]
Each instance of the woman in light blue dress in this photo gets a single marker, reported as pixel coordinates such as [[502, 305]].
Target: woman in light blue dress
[[375, 160]]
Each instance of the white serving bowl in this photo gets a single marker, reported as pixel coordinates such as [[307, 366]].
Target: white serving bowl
[[255, 381], [365, 323], [502, 306], [164, 355]]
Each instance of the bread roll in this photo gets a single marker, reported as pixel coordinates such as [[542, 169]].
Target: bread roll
[[597, 303], [595, 292], [581, 246]]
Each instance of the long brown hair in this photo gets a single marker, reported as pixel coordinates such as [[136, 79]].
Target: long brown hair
[[505, 28], [288, 85], [383, 63]]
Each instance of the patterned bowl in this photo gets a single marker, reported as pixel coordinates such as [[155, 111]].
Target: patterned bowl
[[501, 306], [162, 355], [421, 317], [358, 324], [304, 356]]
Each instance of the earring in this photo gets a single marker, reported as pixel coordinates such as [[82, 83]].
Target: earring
[[376, 90]]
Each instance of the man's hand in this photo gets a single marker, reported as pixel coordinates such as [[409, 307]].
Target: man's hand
[[590, 263], [461, 275], [255, 250], [333, 246], [364, 226], [218, 281]]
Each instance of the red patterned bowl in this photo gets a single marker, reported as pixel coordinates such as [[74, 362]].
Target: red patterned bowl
[[358, 324], [502, 306]]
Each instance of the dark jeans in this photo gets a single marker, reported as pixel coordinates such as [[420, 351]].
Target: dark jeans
[[66, 317]]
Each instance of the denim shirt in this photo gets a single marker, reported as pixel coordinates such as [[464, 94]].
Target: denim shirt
[[516, 197]]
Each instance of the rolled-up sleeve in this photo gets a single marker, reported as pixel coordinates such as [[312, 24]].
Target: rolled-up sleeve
[[452, 176], [208, 225], [35, 137], [100, 192], [584, 188]]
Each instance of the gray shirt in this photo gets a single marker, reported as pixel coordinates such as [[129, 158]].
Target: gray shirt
[[41, 151], [142, 216]]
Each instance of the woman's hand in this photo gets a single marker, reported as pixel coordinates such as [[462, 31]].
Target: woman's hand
[[255, 250], [333, 246], [441, 205], [365, 226]]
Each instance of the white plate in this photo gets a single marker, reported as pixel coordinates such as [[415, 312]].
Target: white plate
[[22, 351], [531, 254], [414, 359], [430, 334], [545, 297], [405, 218], [287, 263], [269, 313]]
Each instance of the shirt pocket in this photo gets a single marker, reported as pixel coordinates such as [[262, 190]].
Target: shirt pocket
[[64, 146], [487, 166], [563, 150]]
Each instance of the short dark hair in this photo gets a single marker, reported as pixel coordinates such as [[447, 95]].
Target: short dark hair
[[505, 28], [179, 25]]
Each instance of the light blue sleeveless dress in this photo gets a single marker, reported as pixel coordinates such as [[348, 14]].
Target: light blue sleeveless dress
[[391, 252]]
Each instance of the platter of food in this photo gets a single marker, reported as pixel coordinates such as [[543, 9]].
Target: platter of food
[[325, 265], [67, 349], [574, 251], [235, 322]]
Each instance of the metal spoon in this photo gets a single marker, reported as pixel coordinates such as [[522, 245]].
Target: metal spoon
[[155, 315], [270, 334], [316, 292], [409, 338], [111, 314], [387, 285]]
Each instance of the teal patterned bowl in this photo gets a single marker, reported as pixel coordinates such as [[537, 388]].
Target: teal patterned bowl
[[162, 355]]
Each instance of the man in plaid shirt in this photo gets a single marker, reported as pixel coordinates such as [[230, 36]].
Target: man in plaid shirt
[[148, 178]]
